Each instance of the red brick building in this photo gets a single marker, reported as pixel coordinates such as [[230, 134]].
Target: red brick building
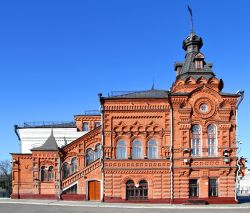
[[165, 146]]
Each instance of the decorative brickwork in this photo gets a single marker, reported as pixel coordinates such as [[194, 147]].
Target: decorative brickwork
[[152, 146]]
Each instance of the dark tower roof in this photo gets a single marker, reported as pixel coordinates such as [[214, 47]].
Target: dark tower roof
[[49, 145], [192, 45]]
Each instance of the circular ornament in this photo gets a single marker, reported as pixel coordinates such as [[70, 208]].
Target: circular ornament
[[204, 107]]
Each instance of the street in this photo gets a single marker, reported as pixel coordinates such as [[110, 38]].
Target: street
[[30, 208]]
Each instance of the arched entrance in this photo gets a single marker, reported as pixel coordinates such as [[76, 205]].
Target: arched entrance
[[137, 193], [94, 190]]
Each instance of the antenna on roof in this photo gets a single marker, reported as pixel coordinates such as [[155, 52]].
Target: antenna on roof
[[191, 20]]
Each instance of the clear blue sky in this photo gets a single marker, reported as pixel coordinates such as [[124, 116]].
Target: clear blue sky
[[56, 56]]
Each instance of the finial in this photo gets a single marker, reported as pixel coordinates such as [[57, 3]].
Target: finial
[[51, 131], [153, 85], [191, 20]]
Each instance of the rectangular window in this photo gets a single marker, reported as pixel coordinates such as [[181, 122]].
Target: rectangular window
[[212, 148], [196, 147], [213, 187], [193, 188]]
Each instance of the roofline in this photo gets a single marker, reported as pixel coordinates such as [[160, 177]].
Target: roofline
[[195, 73], [20, 153], [43, 127], [88, 115], [230, 94], [40, 149], [110, 98]]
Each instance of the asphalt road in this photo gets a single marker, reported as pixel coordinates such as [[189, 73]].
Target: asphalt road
[[24, 208]]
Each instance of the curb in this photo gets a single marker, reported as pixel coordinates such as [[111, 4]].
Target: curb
[[152, 206]]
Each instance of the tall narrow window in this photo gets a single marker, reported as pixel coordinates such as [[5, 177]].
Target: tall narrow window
[[130, 190], [211, 140], [98, 151], [136, 150], [43, 174], [152, 149], [193, 188], [213, 187], [51, 173], [121, 150], [73, 165], [85, 126], [90, 156], [65, 170], [143, 190], [196, 140]]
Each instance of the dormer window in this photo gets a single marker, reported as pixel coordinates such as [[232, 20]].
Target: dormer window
[[198, 64], [199, 61]]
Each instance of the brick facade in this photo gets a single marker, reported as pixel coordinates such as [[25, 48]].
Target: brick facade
[[152, 146]]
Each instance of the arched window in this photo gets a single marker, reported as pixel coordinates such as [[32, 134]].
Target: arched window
[[152, 149], [136, 193], [98, 151], [196, 140], [121, 152], [143, 190], [211, 140], [73, 165], [89, 156], [136, 150], [43, 173], [85, 126], [51, 173], [65, 170], [130, 190]]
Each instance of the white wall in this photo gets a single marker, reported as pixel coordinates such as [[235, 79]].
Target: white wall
[[33, 137]]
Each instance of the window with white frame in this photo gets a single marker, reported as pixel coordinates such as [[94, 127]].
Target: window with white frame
[[152, 149], [121, 152], [196, 141], [136, 149], [211, 140]]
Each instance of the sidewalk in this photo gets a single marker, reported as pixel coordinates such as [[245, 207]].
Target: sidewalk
[[120, 205]]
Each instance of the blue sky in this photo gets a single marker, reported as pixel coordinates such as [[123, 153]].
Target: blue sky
[[56, 56]]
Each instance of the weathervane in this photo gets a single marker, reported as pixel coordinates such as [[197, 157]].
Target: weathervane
[[191, 19]]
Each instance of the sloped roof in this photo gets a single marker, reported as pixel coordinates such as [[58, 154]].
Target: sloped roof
[[153, 93], [192, 45], [49, 145]]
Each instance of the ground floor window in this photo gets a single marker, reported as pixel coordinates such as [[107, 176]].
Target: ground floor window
[[213, 187], [137, 193], [193, 188], [71, 190]]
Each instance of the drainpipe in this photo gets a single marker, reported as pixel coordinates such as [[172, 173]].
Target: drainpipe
[[171, 156], [241, 95], [102, 136], [18, 136], [59, 177]]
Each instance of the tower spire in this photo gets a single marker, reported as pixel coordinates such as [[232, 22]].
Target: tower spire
[[191, 20]]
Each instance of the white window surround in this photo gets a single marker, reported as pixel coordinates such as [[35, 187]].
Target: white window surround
[[194, 145], [215, 138]]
